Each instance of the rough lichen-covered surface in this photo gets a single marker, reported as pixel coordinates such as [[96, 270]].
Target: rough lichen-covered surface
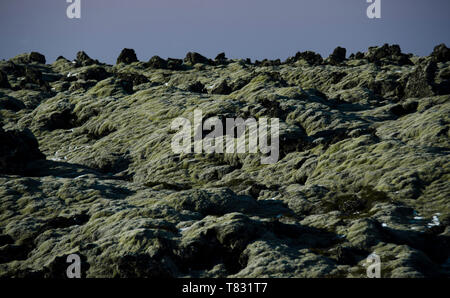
[[364, 167]]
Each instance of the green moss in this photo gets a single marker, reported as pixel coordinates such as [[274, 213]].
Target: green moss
[[355, 204]]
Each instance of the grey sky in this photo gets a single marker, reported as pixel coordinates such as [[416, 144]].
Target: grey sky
[[242, 28]]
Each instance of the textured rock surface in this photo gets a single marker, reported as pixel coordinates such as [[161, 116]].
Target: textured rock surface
[[364, 167]]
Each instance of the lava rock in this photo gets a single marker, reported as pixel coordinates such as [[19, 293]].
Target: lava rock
[[174, 64], [441, 53], [421, 81], [135, 78], [197, 87], [157, 63], [13, 69], [17, 150], [267, 62], [211, 201], [358, 55], [127, 56], [62, 58], [34, 80], [4, 83], [84, 60], [12, 104], [194, 58], [37, 57], [338, 55], [387, 54], [310, 57], [221, 57], [222, 88], [96, 73]]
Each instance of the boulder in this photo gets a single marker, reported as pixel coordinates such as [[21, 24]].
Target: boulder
[[134, 78], [37, 57], [174, 64], [34, 80], [267, 62], [441, 53], [96, 73], [127, 56], [157, 63], [197, 87], [338, 55], [310, 57], [222, 88], [221, 57], [356, 56], [211, 201], [84, 60], [387, 54], [194, 58], [421, 81], [27, 58], [4, 83], [17, 150]]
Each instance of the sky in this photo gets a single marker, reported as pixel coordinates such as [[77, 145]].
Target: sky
[[255, 29]]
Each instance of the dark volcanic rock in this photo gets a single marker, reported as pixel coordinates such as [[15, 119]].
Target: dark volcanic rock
[[135, 78], [357, 55], [157, 63], [221, 57], [61, 58], [17, 149], [4, 80], [338, 55], [404, 109], [127, 56], [387, 54], [421, 82], [174, 64], [37, 57], [197, 87], [13, 69], [12, 104], [84, 60], [34, 80], [441, 53], [267, 62], [96, 73], [194, 58], [211, 201], [309, 56], [222, 88], [29, 58]]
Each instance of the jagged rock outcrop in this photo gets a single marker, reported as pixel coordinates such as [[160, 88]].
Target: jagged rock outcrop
[[310, 57], [127, 56], [157, 62], [387, 54], [338, 55], [84, 60], [194, 58], [441, 53]]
